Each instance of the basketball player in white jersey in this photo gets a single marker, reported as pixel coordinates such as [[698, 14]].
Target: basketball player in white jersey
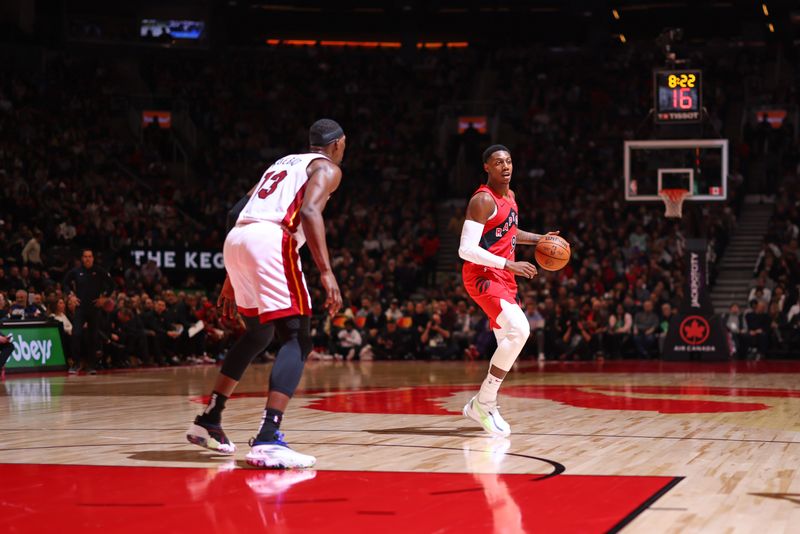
[[265, 284]]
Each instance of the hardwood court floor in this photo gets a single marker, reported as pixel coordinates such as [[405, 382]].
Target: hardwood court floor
[[639, 446]]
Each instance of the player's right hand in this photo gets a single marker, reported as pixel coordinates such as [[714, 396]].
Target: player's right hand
[[333, 302], [521, 268], [227, 300]]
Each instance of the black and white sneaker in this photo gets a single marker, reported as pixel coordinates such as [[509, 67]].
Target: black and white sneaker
[[209, 436]]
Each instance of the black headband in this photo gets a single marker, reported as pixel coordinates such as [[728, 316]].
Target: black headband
[[324, 139]]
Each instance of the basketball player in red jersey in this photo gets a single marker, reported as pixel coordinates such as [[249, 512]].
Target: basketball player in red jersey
[[488, 240]]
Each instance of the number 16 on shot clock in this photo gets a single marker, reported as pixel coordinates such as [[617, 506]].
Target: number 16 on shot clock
[[677, 95]]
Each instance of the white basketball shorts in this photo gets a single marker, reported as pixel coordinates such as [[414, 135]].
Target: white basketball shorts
[[265, 271]]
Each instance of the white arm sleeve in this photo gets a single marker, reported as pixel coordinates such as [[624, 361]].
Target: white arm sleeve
[[470, 249]]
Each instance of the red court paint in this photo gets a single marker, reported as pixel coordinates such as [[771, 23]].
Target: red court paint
[[658, 366], [45, 498], [429, 400], [527, 366]]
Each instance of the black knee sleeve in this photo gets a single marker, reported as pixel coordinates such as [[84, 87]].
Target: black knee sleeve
[[295, 337], [5, 353], [254, 342]]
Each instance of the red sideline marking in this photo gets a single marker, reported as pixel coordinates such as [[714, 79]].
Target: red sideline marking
[[657, 366], [149, 499], [627, 366], [428, 400]]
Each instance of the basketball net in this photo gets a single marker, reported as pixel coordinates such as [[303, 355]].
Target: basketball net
[[673, 200]]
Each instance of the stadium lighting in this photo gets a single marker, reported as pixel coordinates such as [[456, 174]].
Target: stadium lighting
[[345, 44], [363, 44]]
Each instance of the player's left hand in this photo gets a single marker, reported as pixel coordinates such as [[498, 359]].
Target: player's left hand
[[556, 233], [227, 300]]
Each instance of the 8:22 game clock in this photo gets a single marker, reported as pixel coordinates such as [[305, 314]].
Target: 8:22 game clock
[[678, 96]]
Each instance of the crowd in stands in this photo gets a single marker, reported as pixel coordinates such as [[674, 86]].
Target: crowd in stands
[[72, 177], [770, 321]]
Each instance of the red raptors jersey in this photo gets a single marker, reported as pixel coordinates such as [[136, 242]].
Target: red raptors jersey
[[499, 236]]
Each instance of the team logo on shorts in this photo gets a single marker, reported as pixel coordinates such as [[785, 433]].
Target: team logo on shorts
[[482, 285]]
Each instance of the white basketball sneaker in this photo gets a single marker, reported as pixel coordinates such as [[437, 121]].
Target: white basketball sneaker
[[277, 455], [488, 416]]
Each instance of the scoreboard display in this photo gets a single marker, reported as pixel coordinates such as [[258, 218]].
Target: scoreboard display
[[678, 96]]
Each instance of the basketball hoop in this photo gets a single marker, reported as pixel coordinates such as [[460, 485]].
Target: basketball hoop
[[673, 200]]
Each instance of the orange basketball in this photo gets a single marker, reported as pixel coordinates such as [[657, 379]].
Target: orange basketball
[[552, 253]]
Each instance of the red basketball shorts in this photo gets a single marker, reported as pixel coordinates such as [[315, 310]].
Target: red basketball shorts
[[487, 288]]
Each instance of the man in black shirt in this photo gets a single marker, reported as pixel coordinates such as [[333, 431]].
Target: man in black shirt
[[91, 285], [6, 348], [392, 343], [152, 328], [758, 329], [109, 333], [178, 313], [157, 329]]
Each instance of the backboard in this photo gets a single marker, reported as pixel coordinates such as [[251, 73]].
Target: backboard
[[698, 165]]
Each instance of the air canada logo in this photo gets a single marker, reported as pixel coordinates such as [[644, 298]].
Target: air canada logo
[[694, 330]]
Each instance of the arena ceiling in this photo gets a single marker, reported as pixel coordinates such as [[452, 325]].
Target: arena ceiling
[[555, 22]]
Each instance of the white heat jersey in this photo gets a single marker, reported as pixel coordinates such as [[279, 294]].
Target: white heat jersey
[[279, 194], [261, 251]]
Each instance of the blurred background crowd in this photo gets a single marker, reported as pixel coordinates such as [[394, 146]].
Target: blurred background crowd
[[77, 180]]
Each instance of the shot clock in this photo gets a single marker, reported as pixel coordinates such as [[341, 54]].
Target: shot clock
[[678, 96]]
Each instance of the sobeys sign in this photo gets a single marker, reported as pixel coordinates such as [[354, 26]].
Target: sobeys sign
[[35, 348]]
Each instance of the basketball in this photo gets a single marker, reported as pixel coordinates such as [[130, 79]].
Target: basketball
[[552, 253]]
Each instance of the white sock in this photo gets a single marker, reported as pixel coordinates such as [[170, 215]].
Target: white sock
[[489, 388]]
